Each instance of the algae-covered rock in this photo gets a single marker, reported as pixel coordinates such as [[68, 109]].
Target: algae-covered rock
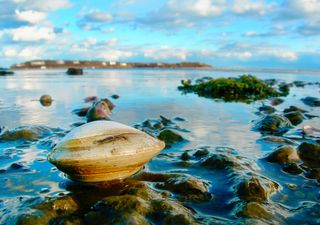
[[311, 101], [310, 154], [25, 133], [75, 71], [99, 111], [170, 137], [295, 117], [46, 100], [294, 109], [256, 190], [201, 153], [220, 162], [255, 210], [273, 124], [283, 154], [245, 88]]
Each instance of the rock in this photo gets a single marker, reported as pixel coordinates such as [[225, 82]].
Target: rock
[[90, 99], [185, 156], [277, 139], [299, 83], [99, 111], [307, 129], [283, 154], [311, 101], [201, 153], [26, 133], [284, 88], [310, 154], [6, 72], [276, 101], [293, 109], [292, 168], [109, 103], [103, 150], [220, 162], [186, 82], [165, 121], [273, 124], [256, 190], [115, 96], [267, 109], [46, 100], [313, 174], [75, 71], [255, 210], [170, 137], [81, 112], [188, 188], [295, 117]]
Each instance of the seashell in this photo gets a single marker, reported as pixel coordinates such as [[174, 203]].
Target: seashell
[[102, 151]]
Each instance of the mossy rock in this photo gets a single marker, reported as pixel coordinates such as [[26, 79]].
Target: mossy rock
[[255, 210], [245, 88], [283, 154], [220, 162], [256, 190], [46, 100], [310, 154], [295, 117], [170, 137], [273, 124]]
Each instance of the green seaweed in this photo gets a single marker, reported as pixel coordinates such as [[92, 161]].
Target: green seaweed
[[246, 88]]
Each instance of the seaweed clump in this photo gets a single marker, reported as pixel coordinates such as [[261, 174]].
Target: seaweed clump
[[246, 88]]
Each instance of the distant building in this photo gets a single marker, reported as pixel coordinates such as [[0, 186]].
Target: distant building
[[60, 62], [76, 62], [123, 64], [112, 63], [43, 67], [37, 63], [104, 64]]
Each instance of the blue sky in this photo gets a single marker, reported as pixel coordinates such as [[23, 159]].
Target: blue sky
[[228, 33]]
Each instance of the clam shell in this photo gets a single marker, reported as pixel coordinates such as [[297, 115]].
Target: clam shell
[[103, 150]]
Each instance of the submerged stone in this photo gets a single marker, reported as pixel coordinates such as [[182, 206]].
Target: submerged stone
[[220, 161], [311, 101], [310, 154], [273, 124], [283, 154], [170, 137]]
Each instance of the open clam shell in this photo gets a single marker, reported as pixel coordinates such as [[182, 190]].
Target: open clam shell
[[103, 150]]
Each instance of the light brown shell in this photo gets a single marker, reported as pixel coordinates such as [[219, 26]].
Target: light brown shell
[[103, 150]]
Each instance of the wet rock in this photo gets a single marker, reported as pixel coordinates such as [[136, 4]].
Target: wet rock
[[299, 83], [294, 109], [276, 101], [311, 101], [188, 188], [180, 119], [6, 72], [25, 133], [201, 153], [310, 154], [220, 162], [283, 154], [99, 111], [284, 88], [46, 100], [273, 124], [295, 117], [109, 103], [267, 109], [256, 190], [313, 174], [292, 168], [185, 156], [307, 129], [255, 210], [81, 112], [90, 99], [186, 82], [170, 137], [277, 139], [115, 96], [75, 71], [165, 121]]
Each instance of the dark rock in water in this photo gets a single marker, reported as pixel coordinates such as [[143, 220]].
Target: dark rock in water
[[109, 103], [267, 109], [284, 88], [276, 101], [188, 188], [256, 190], [46, 100], [293, 109], [283, 154], [201, 153], [310, 154], [90, 99], [299, 83], [273, 124], [81, 112], [75, 71], [179, 119], [292, 168], [186, 82], [185, 156], [313, 174], [25, 133], [311, 101], [99, 111], [220, 162], [295, 117], [165, 121], [115, 96], [170, 137], [255, 210], [6, 72]]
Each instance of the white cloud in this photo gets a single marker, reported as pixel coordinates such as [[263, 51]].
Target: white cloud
[[30, 16], [43, 5], [97, 16], [300, 9], [113, 54], [25, 53], [31, 34], [165, 53], [249, 7], [124, 3]]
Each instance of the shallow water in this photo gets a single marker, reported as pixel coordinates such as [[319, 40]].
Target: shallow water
[[147, 94]]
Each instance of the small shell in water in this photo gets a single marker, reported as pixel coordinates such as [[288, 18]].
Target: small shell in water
[[103, 150]]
